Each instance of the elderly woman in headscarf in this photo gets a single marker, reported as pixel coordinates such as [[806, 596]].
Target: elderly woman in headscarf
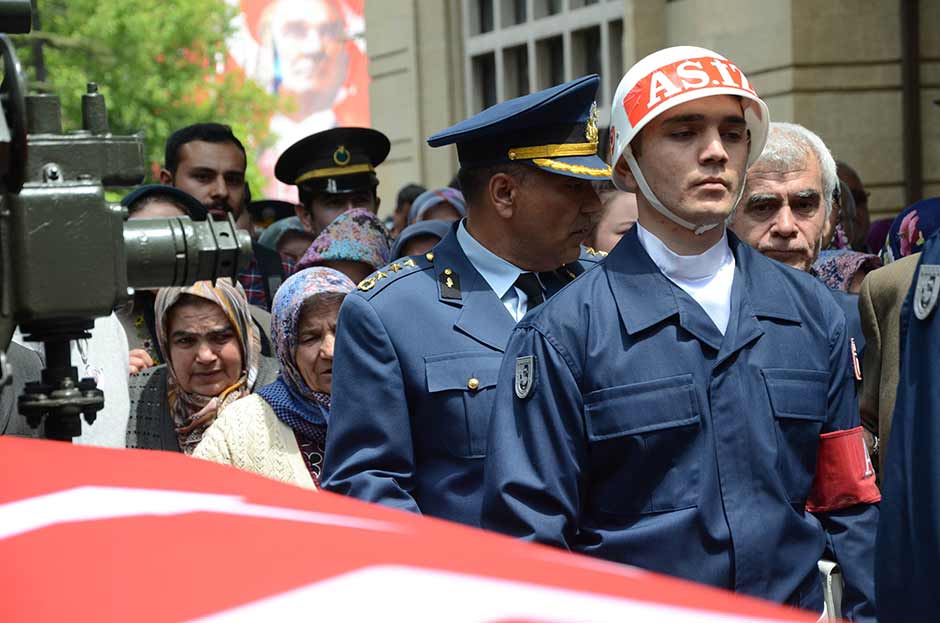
[[280, 431], [439, 204], [213, 354], [355, 243]]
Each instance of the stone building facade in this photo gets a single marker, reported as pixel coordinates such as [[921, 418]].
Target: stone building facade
[[863, 74]]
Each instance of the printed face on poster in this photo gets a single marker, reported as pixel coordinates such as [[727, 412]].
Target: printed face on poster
[[312, 54]]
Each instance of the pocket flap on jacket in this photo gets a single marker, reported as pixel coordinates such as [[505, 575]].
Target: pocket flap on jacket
[[799, 394], [641, 407], [454, 370]]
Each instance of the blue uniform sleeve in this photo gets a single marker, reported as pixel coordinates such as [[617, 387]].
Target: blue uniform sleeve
[[536, 446], [369, 449], [851, 531], [908, 549]]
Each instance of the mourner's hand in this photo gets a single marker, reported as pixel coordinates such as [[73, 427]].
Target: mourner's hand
[[140, 360]]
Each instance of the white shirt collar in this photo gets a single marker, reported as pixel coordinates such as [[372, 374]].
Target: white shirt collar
[[500, 274], [684, 267], [707, 277]]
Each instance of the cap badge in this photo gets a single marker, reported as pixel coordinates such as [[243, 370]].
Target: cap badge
[[591, 133], [341, 156]]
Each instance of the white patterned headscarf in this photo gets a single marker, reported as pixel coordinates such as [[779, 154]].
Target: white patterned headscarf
[[193, 413]]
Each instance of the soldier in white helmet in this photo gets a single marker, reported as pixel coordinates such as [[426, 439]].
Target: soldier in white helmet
[[688, 406]]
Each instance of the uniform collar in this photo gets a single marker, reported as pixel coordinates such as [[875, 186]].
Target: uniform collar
[[483, 316], [500, 274], [644, 296]]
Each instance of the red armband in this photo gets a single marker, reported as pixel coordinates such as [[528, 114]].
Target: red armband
[[844, 473]]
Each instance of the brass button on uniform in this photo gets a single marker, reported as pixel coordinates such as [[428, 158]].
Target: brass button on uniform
[[429, 256], [473, 383]]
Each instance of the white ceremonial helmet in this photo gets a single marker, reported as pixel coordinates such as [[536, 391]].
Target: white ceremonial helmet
[[665, 79]]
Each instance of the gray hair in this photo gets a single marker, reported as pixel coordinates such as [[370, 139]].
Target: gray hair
[[788, 145]]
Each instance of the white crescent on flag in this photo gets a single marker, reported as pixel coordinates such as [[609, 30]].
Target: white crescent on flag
[[90, 534]]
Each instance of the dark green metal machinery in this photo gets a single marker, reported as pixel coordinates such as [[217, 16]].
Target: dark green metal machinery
[[67, 256]]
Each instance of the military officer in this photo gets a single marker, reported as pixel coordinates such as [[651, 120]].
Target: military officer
[[908, 552], [334, 172], [667, 409], [419, 345]]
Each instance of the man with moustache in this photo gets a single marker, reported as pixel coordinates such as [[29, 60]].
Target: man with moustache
[[419, 344], [788, 197], [686, 407], [787, 202], [208, 161]]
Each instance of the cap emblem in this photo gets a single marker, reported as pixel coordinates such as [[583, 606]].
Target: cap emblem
[[591, 133], [341, 156]]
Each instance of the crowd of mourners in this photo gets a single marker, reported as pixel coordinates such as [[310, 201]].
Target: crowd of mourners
[[680, 351]]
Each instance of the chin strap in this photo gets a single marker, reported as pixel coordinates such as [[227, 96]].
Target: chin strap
[[654, 201]]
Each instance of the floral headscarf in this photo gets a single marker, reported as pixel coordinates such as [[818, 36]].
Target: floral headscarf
[[293, 401], [193, 413], [428, 199], [911, 229], [354, 236], [837, 268]]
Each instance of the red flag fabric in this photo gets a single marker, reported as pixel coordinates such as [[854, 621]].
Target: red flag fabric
[[91, 534]]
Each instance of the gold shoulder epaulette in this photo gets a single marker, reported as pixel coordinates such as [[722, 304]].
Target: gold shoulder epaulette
[[395, 267]]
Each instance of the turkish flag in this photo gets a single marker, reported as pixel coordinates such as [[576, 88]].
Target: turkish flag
[[92, 534]]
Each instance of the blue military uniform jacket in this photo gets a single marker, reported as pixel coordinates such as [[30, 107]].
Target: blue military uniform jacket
[[908, 552], [647, 437], [414, 374]]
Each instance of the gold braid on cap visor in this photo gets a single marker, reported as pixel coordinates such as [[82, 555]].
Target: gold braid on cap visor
[[553, 151], [334, 171], [576, 169]]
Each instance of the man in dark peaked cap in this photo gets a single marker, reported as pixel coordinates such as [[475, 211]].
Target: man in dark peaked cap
[[418, 346], [334, 172]]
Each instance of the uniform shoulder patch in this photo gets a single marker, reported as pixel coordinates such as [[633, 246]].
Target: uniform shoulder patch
[[928, 287], [525, 376], [390, 273]]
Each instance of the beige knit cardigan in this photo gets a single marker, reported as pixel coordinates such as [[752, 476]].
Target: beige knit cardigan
[[248, 435]]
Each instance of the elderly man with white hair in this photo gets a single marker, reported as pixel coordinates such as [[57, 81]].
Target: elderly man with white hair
[[785, 207], [788, 196]]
